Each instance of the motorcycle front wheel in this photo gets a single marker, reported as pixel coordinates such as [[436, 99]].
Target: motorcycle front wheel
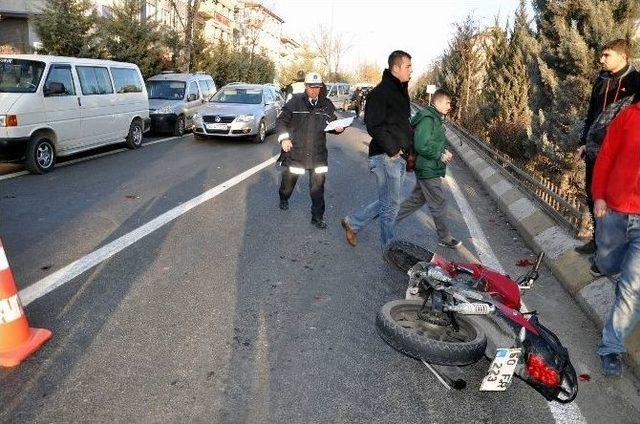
[[403, 328]]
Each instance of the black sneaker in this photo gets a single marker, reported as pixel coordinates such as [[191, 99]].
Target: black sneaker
[[588, 248], [612, 364], [319, 223], [450, 242], [595, 271], [284, 204]]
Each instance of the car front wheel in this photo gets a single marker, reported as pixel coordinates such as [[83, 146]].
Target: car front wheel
[[262, 132]]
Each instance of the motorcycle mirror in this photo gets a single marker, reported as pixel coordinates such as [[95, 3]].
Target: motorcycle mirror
[[523, 334]]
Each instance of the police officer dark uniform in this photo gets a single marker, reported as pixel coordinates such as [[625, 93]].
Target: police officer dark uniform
[[300, 128]]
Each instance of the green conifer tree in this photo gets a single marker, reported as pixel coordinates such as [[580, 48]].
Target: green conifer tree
[[126, 37], [67, 28]]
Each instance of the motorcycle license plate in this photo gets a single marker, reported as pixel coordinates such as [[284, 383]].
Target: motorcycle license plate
[[501, 371]]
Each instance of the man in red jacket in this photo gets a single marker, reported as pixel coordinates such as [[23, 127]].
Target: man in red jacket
[[616, 194]]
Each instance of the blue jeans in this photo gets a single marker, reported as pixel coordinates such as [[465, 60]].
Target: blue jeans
[[618, 242], [390, 175]]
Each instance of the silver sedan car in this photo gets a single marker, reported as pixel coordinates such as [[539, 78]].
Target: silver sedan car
[[239, 110]]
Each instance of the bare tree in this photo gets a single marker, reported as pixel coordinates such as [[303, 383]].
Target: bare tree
[[368, 72], [186, 12], [330, 48]]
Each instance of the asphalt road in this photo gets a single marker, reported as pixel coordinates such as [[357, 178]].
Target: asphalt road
[[238, 312]]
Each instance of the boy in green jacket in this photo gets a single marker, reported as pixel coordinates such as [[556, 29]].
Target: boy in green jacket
[[431, 164]]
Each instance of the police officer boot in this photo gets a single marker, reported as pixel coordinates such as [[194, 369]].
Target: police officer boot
[[319, 223]]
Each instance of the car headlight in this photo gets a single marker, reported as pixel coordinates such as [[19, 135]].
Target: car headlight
[[245, 118], [197, 117], [164, 110]]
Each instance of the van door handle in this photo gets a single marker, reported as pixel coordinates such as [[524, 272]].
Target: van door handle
[[79, 102]]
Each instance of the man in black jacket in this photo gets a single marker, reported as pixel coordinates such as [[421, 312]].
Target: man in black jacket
[[615, 82], [300, 128], [387, 114]]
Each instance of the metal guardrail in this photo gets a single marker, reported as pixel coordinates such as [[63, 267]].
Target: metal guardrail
[[566, 210]]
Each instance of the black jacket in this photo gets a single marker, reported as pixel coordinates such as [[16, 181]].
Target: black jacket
[[304, 125], [387, 114], [624, 83]]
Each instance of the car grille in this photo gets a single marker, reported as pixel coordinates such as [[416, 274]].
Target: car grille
[[216, 131], [211, 119]]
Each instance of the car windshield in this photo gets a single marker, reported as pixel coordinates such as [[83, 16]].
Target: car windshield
[[19, 75], [166, 90], [251, 96]]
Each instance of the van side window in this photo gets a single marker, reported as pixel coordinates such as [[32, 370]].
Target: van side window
[[268, 96], [204, 89], [61, 74], [94, 80], [193, 89], [126, 80], [212, 86]]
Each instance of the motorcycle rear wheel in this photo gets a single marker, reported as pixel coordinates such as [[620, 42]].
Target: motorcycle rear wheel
[[399, 325], [404, 255]]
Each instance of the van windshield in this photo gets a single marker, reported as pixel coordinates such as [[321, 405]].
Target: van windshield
[[20, 75], [166, 90]]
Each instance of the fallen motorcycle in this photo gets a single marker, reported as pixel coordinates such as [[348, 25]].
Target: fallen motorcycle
[[458, 313]]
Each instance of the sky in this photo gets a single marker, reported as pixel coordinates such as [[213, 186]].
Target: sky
[[375, 28]]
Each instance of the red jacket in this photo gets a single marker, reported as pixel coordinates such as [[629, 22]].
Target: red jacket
[[616, 177]]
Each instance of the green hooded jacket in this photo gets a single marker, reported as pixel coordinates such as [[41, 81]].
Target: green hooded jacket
[[429, 142]]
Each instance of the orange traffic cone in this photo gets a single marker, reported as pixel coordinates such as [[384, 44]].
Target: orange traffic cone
[[17, 340]]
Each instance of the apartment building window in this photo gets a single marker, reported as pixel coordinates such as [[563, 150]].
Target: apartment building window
[[151, 8], [107, 12]]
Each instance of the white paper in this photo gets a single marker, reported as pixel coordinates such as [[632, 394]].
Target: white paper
[[344, 123]]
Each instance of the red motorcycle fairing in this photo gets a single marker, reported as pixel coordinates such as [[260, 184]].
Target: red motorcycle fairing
[[500, 286]]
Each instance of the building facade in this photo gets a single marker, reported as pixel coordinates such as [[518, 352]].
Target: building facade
[[17, 32], [217, 19], [258, 29], [290, 50]]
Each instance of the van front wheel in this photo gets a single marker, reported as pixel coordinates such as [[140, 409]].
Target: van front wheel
[[41, 155], [179, 128], [134, 138]]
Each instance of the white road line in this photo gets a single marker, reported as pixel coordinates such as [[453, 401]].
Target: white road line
[[562, 414], [84, 159], [74, 269], [13, 175]]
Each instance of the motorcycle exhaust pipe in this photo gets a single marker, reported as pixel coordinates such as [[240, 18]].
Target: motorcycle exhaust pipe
[[442, 374]]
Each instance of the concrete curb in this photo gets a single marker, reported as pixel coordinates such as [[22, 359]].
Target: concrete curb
[[542, 233]]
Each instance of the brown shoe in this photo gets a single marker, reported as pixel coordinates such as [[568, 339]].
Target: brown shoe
[[349, 234]]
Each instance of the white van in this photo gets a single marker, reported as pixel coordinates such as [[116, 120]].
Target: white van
[[54, 106]]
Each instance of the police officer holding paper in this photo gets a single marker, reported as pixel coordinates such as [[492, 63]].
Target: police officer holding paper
[[301, 134]]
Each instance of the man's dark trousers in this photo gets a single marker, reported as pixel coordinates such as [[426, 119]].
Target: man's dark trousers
[[316, 190]]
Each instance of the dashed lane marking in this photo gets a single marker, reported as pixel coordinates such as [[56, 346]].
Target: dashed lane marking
[[562, 414]]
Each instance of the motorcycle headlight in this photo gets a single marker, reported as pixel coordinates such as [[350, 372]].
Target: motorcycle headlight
[[164, 110], [245, 118]]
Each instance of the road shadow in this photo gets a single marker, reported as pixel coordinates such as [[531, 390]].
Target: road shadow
[[77, 314]]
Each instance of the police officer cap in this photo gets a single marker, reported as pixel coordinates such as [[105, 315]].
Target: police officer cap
[[313, 79]]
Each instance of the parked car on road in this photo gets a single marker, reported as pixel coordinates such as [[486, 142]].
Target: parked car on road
[[52, 106], [174, 98], [240, 110], [339, 93]]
